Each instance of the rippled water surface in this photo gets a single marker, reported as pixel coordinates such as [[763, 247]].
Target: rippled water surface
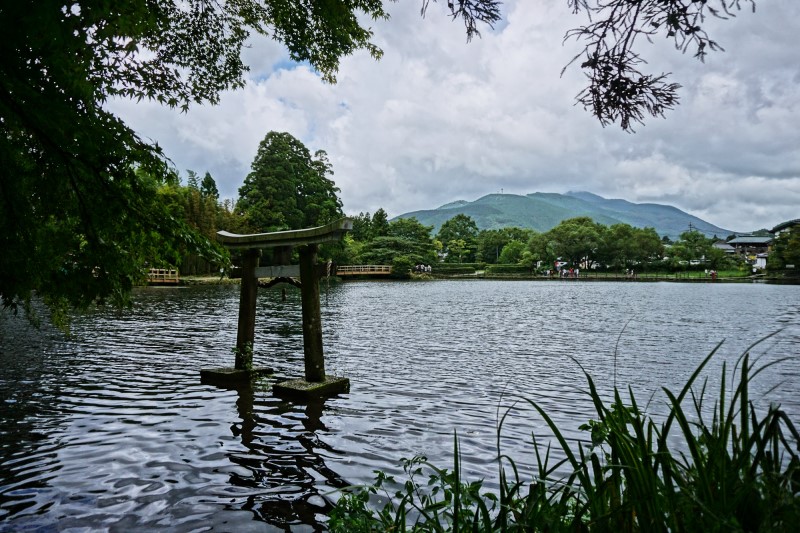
[[112, 429]]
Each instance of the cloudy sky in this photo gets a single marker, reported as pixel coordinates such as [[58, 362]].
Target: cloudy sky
[[438, 119]]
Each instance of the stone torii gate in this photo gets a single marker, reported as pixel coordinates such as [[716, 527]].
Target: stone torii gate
[[316, 382]]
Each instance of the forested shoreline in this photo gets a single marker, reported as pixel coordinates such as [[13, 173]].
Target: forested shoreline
[[289, 188]]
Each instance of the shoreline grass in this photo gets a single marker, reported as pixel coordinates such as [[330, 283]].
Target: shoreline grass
[[738, 470]]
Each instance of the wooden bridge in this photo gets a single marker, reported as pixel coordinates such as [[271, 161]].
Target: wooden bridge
[[363, 270], [162, 276]]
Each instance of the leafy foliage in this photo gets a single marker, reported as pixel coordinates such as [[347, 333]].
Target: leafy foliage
[[693, 248], [786, 249], [575, 240], [287, 188], [512, 252], [439, 503], [623, 246], [503, 269], [380, 223], [362, 227], [459, 236], [457, 268], [491, 242], [208, 187], [79, 204], [582, 242], [404, 238], [402, 265], [196, 206]]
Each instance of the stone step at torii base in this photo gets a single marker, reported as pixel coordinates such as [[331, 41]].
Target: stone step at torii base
[[301, 389], [232, 378], [315, 382]]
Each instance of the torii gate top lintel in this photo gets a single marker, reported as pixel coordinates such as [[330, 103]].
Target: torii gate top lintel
[[327, 233]]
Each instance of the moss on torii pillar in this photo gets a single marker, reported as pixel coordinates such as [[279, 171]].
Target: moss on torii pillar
[[316, 382]]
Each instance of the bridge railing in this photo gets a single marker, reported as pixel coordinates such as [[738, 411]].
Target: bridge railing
[[353, 270], [162, 275]]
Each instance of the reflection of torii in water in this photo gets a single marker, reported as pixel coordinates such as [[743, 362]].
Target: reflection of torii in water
[[284, 472], [316, 382]]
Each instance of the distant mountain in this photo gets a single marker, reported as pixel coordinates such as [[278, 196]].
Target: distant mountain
[[543, 211]]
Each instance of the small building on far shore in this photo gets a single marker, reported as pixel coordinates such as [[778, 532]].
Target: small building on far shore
[[725, 247], [751, 245], [752, 248]]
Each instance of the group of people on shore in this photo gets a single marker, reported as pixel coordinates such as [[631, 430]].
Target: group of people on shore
[[563, 273], [422, 268]]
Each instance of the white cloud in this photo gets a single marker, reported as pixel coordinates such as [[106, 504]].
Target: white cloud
[[438, 119]]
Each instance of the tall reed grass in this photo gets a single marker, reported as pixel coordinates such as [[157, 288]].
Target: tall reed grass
[[738, 470]]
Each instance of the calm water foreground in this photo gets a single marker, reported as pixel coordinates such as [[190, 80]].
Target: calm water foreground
[[112, 429]]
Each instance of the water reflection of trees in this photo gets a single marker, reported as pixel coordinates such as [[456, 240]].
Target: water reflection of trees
[[283, 459], [31, 397]]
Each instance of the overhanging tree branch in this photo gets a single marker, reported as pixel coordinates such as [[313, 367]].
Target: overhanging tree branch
[[618, 90], [471, 12]]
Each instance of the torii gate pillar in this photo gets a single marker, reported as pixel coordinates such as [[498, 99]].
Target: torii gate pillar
[[312, 321], [316, 382], [246, 331]]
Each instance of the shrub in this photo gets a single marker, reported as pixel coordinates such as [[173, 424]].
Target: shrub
[[457, 268], [401, 267], [507, 269]]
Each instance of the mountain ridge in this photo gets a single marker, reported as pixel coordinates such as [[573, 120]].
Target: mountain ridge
[[543, 211]]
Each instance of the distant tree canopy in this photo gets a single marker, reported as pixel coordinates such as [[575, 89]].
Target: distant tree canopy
[[492, 242], [624, 246], [380, 223], [405, 239], [581, 241], [459, 238], [578, 242], [691, 245], [693, 248], [366, 227], [287, 188], [208, 187], [786, 250]]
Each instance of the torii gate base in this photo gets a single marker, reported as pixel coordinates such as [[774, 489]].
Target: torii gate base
[[230, 377], [316, 383], [300, 389]]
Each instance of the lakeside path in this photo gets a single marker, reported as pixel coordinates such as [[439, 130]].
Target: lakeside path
[[481, 275]]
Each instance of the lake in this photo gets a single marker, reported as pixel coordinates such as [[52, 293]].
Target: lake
[[112, 430]]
